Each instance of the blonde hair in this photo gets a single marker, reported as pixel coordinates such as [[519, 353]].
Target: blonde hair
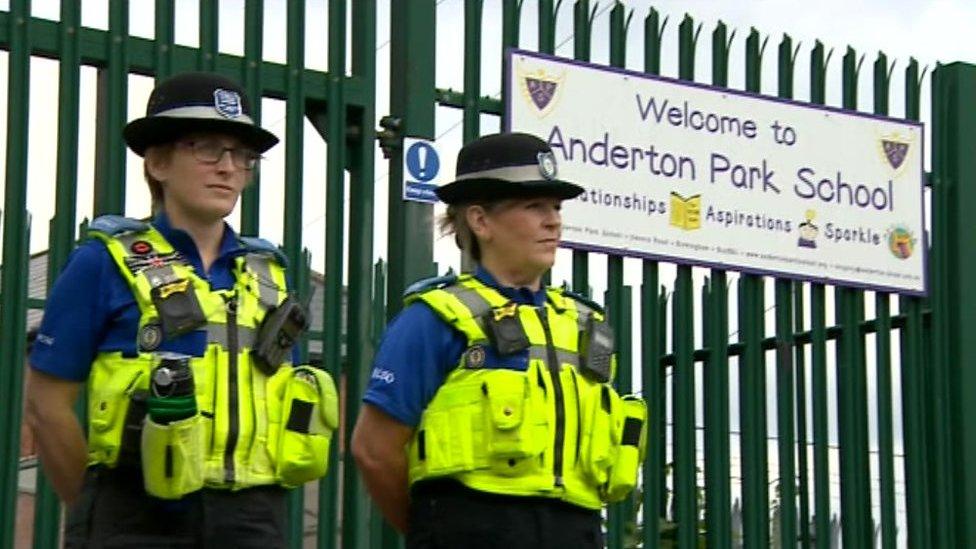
[[455, 221]]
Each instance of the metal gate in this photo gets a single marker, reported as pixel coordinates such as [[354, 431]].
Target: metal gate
[[705, 482]]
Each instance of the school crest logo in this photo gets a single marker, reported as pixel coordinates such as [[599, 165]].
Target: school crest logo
[[228, 103], [894, 149], [542, 89]]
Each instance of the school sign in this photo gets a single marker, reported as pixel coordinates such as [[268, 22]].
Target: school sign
[[723, 178]]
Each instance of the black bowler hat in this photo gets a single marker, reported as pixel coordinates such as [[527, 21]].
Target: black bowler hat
[[196, 102], [506, 165]]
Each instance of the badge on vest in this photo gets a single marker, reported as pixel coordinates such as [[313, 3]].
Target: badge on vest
[[150, 336], [505, 331], [141, 247], [474, 357], [144, 257]]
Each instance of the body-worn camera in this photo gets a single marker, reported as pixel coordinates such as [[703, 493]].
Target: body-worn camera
[[279, 331], [505, 331], [178, 307]]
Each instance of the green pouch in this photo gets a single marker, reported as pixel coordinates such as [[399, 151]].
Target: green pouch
[[172, 457], [602, 419], [623, 473], [308, 407]]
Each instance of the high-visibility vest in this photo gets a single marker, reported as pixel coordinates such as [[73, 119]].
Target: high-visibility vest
[[248, 432], [550, 430]]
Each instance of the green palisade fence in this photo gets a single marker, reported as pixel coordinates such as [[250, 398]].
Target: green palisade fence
[[815, 369]]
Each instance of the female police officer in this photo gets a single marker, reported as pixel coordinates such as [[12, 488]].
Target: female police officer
[[190, 447], [489, 420]]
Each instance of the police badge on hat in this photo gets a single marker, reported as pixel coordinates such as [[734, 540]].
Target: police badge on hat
[[547, 165], [227, 103]]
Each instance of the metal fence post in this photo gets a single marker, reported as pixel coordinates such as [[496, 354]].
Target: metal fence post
[[410, 236], [752, 371], [913, 376], [954, 296], [110, 115], [653, 322], [13, 284], [356, 531]]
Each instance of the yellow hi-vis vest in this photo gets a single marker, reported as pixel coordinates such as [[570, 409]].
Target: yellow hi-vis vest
[[549, 431], [248, 432]]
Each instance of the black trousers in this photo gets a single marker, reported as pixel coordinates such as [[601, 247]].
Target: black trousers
[[114, 511], [444, 514]]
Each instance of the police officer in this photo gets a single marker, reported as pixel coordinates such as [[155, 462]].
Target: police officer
[[489, 420], [184, 332]]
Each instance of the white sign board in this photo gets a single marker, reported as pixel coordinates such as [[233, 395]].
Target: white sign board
[[715, 177], [421, 170]]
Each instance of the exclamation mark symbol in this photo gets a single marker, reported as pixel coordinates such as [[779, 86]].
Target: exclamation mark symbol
[[422, 163]]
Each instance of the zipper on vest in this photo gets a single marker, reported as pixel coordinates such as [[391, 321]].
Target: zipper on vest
[[557, 391], [233, 412]]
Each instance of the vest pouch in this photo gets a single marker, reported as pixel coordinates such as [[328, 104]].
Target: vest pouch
[[444, 442], [115, 412], [623, 473], [515, 428], [309, 414], [172, 457], [602, 423]]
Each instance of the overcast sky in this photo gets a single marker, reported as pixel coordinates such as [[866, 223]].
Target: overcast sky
[[931, 31]]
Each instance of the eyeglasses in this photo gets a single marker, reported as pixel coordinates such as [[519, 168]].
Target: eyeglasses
[[210, 152]]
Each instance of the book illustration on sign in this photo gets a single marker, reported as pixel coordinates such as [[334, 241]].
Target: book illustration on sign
[[808, 231], [686, 212]]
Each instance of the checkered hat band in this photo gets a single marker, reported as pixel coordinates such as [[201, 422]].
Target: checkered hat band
[[509, 173], [201, 112]]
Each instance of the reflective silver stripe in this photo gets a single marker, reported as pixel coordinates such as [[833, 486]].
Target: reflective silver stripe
[[202, 112], [160, 276], [217, 333], [539, 352], [128, 239], [267, 289], [471, 299], [509, 173]]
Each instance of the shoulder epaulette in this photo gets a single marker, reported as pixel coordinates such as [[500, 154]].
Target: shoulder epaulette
[[431, 283], [257, 245], [584, 300], [116, 224]]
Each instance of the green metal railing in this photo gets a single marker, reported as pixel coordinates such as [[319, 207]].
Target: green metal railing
[[815, 348]]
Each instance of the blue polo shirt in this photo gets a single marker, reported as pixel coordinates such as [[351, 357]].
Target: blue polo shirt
[[419, 350], [91, 308]]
